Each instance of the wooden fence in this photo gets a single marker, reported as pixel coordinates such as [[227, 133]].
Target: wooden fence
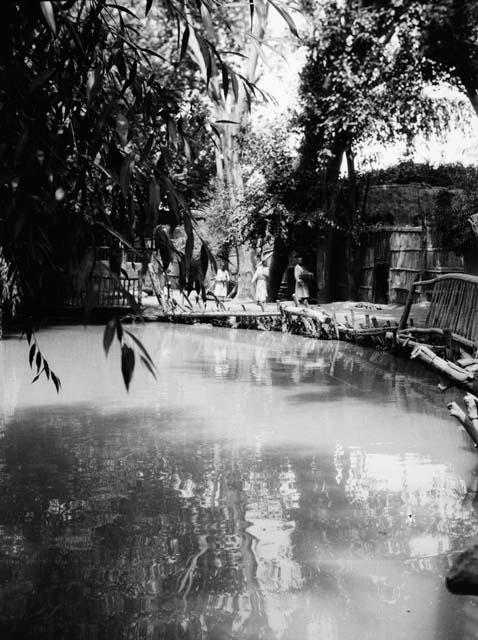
[[453, 306]]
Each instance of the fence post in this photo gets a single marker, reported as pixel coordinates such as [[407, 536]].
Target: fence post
[[406, 311]]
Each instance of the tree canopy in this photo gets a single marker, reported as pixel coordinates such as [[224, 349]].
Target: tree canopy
[[104, 130]]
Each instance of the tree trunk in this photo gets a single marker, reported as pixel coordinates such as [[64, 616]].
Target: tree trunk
[[351, 258], [245, 271], [323, 259], [350, 248], [325, 242], [279, 262], [233, 108]]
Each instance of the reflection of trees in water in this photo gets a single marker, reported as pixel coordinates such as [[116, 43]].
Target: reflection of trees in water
[[372, 528], [266, 358], [109, 531]]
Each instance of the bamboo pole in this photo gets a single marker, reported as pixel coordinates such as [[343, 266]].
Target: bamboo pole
[[456, 373], [457, 412], [336, 327], [408, 305]]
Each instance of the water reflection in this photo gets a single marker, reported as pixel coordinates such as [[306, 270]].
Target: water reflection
[[268, 487]]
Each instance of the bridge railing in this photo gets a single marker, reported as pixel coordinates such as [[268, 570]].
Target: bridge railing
[[109, 291]]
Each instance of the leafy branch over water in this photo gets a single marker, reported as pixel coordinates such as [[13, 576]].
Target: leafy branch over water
[[130, 346], [36, 359]]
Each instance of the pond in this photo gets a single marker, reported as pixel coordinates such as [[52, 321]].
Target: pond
[[266, 486]]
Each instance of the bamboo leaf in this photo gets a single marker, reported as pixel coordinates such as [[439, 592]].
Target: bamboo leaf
[[148, 366], [32, 354], [187, 149], [119, 236], [127, 364], [184, 42], [206, 16], [208, 68], [149, 4], [38, 361], [172, 132], [56, 382], [125, 175], [204, 260], [119, 330], [286, 16], [141, 346], [108, 335], [90, 302], [235, 86], [225, 80], [49, 15], [154, 195]]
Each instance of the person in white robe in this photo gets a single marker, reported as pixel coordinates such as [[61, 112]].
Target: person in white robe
[[220, 282], [301, 276], [260, 278]]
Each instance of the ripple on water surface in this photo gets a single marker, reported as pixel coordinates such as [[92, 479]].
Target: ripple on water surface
[[265, 487]]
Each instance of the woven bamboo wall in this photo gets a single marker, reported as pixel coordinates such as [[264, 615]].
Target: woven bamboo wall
[[403, 246], [406, 261], [410, 253]]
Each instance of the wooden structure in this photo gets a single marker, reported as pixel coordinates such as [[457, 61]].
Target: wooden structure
[[108, 292], [103, 290], [453, 312], [403, 246], [395, 257]]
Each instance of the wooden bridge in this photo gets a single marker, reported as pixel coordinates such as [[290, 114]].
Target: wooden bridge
[[453, 312]]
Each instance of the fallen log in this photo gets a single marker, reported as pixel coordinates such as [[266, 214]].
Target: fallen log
[[457, 412], [371, 331], [467, 361], [451, 370], [472, 409], [305, 312], [403, 334]]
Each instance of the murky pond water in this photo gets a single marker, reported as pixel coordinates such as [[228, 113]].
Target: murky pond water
[[265, 487]]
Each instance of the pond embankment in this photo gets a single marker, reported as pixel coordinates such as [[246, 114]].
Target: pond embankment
[[349, 320]]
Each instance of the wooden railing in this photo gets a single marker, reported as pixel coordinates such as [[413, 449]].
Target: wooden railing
[[109, 292], [453, 306]]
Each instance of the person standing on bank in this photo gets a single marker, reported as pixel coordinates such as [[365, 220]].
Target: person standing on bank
[[220, 282], [301, 276], [260, 278]]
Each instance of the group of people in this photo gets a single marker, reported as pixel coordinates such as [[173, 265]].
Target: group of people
[[260, 278]]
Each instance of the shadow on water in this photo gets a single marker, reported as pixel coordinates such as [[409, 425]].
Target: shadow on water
[[281, 490]]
